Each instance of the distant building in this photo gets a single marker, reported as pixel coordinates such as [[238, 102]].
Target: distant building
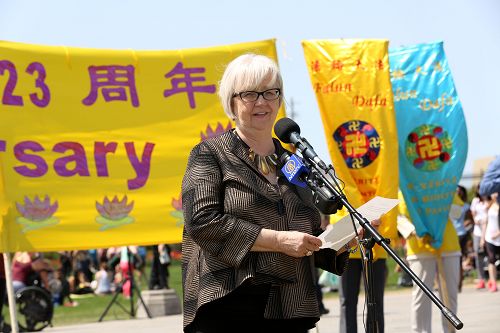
[[479, 167]]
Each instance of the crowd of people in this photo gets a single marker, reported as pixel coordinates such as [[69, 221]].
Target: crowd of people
[[479, 238], [98, 272], [66, 274], [477, 229]]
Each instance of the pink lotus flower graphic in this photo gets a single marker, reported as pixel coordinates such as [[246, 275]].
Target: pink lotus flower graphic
[[36, 214], [178, 213], [210, 133], [114, 213]]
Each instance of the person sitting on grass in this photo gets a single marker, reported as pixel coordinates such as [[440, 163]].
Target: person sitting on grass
[[102, 280]]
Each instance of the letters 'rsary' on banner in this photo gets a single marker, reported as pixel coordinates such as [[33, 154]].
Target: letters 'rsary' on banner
[[352, 85], [94, 143], [432, 135]]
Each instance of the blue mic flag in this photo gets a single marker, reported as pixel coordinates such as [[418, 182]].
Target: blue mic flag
[[293, 169]]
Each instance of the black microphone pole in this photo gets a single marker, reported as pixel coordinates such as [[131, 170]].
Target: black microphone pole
[[377, 238]]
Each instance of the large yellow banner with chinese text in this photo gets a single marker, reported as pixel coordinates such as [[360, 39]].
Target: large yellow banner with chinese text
[[351, 81], [94, 143]]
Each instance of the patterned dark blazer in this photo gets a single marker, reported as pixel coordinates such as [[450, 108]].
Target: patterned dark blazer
[[226, 203]]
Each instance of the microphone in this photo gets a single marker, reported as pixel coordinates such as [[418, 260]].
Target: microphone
[[288, 131], [294, 169]]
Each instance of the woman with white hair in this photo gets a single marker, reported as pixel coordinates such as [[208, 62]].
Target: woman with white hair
[[249, 245]]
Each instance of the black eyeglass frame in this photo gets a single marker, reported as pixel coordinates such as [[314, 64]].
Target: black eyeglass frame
[[259, 93]]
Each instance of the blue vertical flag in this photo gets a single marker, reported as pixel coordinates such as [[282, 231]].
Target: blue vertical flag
[[432, 135]]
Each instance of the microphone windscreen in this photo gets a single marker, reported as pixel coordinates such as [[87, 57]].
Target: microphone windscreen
[[284, 128]]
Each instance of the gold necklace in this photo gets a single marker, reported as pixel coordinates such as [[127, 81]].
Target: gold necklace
[[264, 164]]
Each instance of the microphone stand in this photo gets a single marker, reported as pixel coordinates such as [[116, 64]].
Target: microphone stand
[[372, 324], [316, 179]]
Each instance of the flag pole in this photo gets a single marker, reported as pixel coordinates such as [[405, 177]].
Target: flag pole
[[10, 292]]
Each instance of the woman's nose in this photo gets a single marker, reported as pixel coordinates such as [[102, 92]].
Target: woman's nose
[[260, 100]]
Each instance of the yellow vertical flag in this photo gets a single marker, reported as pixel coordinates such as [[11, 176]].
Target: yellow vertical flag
[[351, 81]]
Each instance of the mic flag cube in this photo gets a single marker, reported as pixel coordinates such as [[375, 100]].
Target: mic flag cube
[[295, 171]]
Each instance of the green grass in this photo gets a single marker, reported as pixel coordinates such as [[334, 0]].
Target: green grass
[[392, 277]]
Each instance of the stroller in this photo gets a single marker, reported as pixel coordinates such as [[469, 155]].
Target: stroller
[[35, 308], [34, 305]]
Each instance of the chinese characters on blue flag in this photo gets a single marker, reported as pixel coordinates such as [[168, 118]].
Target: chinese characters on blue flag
[[432, 135]]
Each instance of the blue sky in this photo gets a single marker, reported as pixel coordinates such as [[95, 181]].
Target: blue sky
[[470, 31]]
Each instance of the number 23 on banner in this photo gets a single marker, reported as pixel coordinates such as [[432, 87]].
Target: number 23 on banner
[[33, 68]]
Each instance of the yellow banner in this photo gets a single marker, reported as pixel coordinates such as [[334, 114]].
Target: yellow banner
[[352, 85], [94, 143]]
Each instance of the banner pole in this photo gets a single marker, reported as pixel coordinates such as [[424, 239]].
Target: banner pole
[[10, 292]]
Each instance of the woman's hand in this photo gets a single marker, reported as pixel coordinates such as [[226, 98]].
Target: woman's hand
[[297, 244], [376, 223]]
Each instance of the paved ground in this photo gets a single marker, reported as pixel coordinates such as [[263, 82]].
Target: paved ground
[[478, 310]]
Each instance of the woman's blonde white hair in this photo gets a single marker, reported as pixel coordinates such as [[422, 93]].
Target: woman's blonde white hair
[[247, 72]]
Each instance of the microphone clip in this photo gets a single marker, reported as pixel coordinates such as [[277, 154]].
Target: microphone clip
[[327, 205]]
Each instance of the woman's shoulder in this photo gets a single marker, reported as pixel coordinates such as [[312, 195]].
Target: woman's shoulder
[[221, 142], [217, 140]]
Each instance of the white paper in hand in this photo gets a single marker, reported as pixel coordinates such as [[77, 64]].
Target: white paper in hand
[[337, 235]]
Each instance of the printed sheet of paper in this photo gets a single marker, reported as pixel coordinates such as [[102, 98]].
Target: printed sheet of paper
[[338, 234]]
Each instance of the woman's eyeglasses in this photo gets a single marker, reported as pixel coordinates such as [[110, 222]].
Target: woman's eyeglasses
[[252, 96]]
